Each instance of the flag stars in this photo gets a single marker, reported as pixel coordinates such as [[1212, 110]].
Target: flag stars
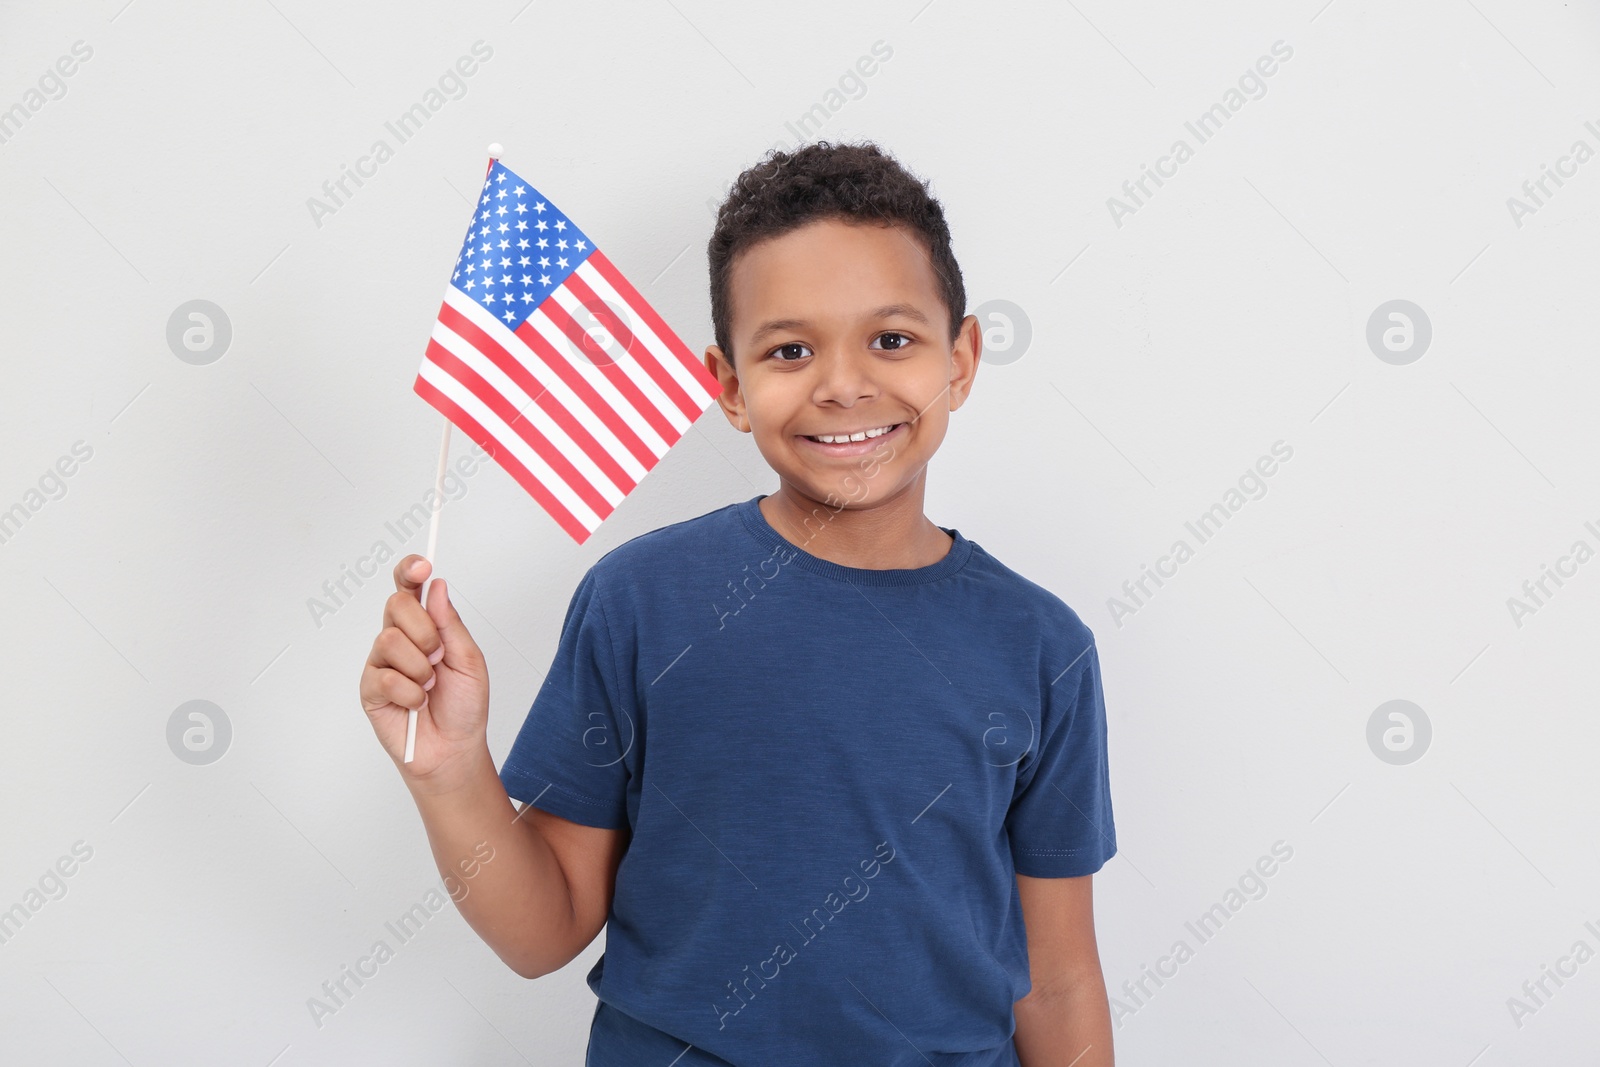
[[502, 209], [521, 207], [522, 261], [527, 279], [544, 261], [545, 278], [500, 177], [503, 227], [521, 190], [561, 245], [562, 262], [539, 207], [543, 226], [522, 242], [580, 245], [522, 224], [527, 298], [505, 279], [502, 194], [543, 243], [561, 224], [505, 262], [509, 316]]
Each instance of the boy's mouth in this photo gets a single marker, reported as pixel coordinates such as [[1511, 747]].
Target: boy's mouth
[[853, 443]]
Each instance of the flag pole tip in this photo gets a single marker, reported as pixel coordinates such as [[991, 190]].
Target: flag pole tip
[[495, 150]]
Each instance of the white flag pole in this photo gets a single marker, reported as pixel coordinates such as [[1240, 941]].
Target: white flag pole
[[433, 533], [433, 545]]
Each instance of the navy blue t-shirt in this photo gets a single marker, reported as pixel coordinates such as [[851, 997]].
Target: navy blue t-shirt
[[831, 775]]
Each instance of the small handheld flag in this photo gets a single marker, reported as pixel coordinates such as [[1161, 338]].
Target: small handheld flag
[[548, 358]]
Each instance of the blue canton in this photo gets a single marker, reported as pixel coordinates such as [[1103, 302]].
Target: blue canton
[[519, 249]]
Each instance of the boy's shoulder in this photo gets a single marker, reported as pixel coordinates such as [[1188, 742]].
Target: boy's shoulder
[[1030, 602], [681, 544]]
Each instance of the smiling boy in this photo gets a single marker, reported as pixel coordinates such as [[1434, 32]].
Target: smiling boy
[[835, 776]]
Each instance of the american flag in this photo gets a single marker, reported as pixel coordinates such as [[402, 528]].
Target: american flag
[[546, 357]]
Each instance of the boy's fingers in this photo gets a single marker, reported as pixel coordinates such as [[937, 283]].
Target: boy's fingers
[[410, 573]]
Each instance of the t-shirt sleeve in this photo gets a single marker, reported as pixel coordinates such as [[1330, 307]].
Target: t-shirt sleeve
[[571, 756], [1060, 823]]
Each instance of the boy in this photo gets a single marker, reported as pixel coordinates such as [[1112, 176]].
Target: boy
[[836, 777]]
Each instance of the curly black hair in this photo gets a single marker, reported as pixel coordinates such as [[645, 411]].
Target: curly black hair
[[853, 182]]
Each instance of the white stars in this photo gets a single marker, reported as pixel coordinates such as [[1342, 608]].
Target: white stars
[[545, 278], [521, 207], [500, 177], [522, 242], [487, 298], [485, 247], [544, 261], [502, 228], [509, 316], [561, 245], [505, 261], [580, 245], [502, 196], [561, 224], [505, 279], [486, 264], [484, 232], [502, 209], [527, 298], [522, 261], [522, 224], [539, 207], [543, 226], [521, 190], [527, 279], [562, 262], [543, 243], [471, 285], [484, 214]]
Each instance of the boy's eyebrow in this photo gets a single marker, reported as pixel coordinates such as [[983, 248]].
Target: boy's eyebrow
[[884, 312]]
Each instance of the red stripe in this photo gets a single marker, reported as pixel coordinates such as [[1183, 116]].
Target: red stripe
[[642, 353], [696, 369], [562, 366], [518, 373], [602, 360], [486, 441], [496, 402]]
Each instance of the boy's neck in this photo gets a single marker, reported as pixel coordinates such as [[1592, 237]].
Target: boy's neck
[[894, 534]]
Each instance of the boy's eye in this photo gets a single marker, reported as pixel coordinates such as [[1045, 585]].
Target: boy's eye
[[782, 348], [903, 340]]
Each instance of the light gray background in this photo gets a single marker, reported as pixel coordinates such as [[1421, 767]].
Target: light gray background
[[1167, 354]]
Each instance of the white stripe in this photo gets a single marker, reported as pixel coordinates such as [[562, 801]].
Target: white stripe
[[531, 412], [475, 313], [504, 436], [633, 368], [641, 329], [597, 380]]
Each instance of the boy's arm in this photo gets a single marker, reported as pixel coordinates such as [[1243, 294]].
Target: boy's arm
[[544, 891], [1065, 1019]]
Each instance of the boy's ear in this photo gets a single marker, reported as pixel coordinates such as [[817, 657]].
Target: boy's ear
[[730, 396], [965, 355]]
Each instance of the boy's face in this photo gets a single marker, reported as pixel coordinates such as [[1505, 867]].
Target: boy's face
[[840, 328]]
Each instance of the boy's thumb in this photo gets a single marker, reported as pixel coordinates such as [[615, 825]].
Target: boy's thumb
[[452, 631]]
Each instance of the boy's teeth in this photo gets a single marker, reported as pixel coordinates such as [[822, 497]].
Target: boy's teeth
[[839, 439]]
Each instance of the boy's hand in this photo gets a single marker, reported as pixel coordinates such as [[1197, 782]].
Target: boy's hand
[[452, 692]]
